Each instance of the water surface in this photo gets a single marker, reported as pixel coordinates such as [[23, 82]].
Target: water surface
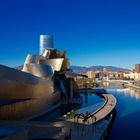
[[91, 103], [127, 122]]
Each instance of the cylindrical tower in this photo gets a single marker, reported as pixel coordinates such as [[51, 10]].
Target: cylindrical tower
[[46, 42]]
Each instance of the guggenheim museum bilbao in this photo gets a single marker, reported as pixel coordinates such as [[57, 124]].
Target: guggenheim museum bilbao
[[45, 75]]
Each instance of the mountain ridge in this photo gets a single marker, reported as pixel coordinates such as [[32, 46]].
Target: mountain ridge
[[82, 69]]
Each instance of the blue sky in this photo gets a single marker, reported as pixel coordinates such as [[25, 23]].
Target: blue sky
[[94, 32]]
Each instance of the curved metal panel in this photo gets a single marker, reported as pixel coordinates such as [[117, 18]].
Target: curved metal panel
[[55, 63], [15, 84], [46, 53], [66, 64], [40, 70], [33, 58]]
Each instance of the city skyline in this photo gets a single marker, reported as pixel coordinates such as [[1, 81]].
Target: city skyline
[[93, 32]]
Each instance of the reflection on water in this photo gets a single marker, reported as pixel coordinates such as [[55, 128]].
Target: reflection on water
[[126, 125], [91, 103], [119, 90]]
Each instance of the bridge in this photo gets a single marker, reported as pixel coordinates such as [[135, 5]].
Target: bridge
[[120, 81], [127, 83]]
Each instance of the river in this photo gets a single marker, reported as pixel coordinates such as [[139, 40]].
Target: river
[[127, 120]]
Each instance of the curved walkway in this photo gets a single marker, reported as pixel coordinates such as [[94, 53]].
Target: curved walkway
[[107, 108], [102, 112], [78, 130]]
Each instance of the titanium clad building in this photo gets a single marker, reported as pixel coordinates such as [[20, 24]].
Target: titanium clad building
[[46, 42]]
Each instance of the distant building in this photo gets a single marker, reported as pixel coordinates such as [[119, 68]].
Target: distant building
[[132, 75], [105, 70], [105, 75], [46, 42], [120, 75], [137, 67], [115, 75], [91, 74], [100, 75]]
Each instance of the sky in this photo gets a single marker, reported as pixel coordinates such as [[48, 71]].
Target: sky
[[94, 32]]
